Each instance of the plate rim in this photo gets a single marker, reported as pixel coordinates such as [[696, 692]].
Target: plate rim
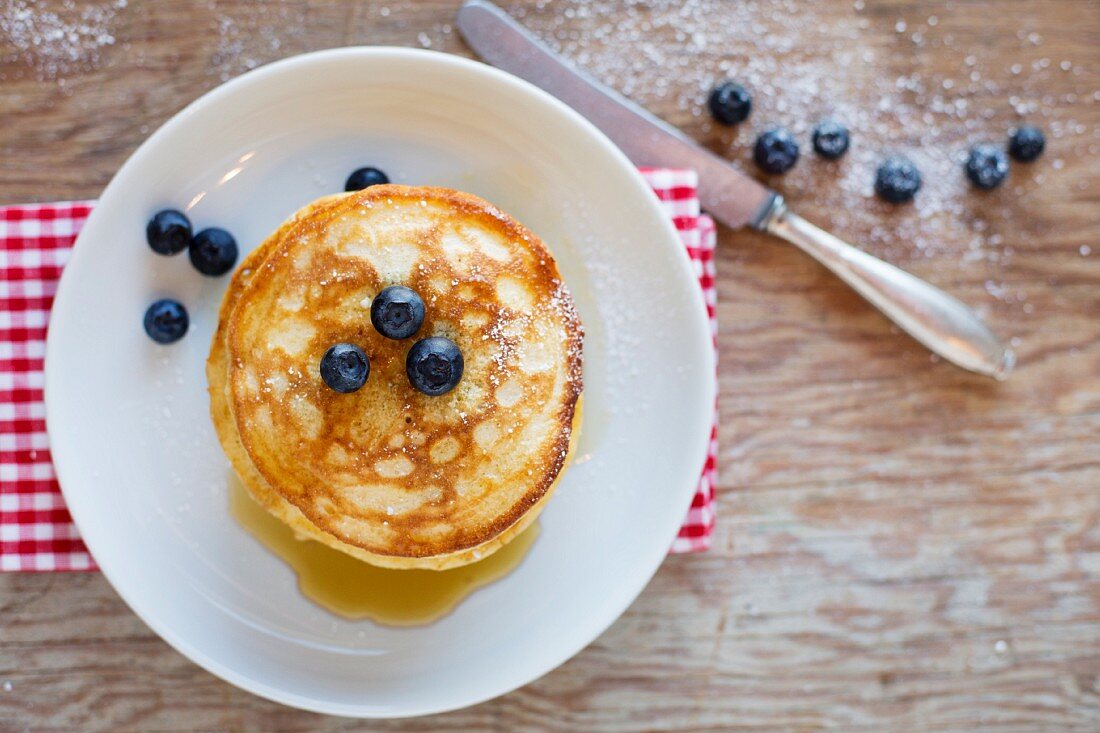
[[238, 85]]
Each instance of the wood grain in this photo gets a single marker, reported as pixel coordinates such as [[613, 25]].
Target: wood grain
[[901, 546]]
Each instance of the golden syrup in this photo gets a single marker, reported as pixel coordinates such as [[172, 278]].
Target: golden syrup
[[354, 589]]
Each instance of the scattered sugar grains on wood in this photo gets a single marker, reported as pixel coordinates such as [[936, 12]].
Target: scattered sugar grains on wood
[[58, 39], [253, 36], [676, 50]]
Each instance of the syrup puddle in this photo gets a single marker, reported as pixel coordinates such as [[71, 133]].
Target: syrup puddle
[[356, 590]]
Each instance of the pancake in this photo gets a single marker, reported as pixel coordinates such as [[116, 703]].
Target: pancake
[[387, 474]]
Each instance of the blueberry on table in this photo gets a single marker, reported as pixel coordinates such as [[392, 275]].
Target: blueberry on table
[[830, 139], [397, 312], [166, 321], [729, 103], [364, 177], [213, 251], [345, 368], [434, 365], [1026, 143], [168, 232], [776, 150], [986, 166], [897, 180]]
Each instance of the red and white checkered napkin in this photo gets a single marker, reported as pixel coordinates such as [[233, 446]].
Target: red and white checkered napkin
[[676, 190], [36, 531]]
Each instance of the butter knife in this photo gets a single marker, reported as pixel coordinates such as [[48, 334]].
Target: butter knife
[[931, 316]]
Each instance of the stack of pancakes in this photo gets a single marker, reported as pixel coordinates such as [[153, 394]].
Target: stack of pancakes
[[388, 474]]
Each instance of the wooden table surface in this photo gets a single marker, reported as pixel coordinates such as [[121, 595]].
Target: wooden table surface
[[901, 546]]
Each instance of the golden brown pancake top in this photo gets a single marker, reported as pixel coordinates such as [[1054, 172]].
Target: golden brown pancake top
[[388, 469]]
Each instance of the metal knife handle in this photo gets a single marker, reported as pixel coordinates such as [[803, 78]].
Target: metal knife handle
[[928, 314]]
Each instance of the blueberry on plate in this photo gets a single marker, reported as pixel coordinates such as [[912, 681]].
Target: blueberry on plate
[[363, 177], [1026, 143], [729, 103], [776, 150], [897, 180], [168, 232], [434, 365], [830, 139], [345, 368], [166, 321], [986, 166], [397, 312], [213, 251]]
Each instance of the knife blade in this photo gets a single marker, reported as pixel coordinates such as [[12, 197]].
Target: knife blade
[[729, 195], [940, 322]]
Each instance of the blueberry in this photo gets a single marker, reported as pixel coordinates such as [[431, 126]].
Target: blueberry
[[213, 251], [986, 166], [776, 150], [397, 312], [830, 139], [168, 232], [166, 321], [897, 180], [363, 177], [434, 365], [1026, 143], [345, 368], [729, 103]]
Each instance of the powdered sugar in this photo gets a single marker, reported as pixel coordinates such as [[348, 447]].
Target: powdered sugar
[[246, 40], [65, 38]]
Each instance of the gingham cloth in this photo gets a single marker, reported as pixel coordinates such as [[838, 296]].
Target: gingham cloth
[[36, 531]]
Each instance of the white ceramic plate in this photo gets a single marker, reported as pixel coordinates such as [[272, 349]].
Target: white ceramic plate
[[143, 472]]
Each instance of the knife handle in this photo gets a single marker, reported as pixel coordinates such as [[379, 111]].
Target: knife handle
[[926, 313]]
